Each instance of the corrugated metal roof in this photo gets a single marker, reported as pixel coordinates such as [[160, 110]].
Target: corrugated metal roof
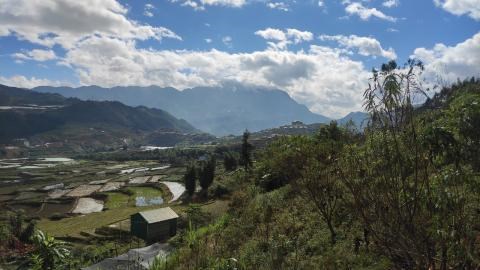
[[158, 215]]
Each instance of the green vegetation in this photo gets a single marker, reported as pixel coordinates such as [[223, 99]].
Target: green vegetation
[[402, 195], [49, 252], [206, 173], [230, 161], [246, 152], [190, 179]]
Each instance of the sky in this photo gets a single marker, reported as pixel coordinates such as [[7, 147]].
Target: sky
[[320, 52]]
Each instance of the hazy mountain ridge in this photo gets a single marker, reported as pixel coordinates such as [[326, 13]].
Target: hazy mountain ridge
[[360, 119], [219, 110]]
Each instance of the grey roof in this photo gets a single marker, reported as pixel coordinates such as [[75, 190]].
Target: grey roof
[[140, 258], [158, 215]]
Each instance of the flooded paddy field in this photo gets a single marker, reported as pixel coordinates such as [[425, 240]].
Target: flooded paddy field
[[72, 196]]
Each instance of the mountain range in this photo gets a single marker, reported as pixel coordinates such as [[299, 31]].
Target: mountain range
[[225, 110], [44, 117]]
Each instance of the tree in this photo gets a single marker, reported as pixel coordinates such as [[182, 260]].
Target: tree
[[246, 154], [49, 253], [323, 188], [190, 179], [207, 173], [230, 161], [417, 213]]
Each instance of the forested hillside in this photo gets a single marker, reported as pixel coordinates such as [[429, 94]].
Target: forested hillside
[[50, 123], [403, 195]]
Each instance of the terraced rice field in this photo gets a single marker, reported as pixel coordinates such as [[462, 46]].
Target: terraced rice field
[[74, 196]]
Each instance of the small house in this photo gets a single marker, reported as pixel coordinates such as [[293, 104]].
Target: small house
[[154, 225]]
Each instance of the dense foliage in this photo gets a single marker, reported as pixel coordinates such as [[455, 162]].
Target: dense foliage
[[402, 195]]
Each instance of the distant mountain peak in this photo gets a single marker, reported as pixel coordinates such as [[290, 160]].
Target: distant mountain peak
[[220, 110]]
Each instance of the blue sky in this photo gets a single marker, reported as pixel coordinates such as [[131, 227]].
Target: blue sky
[[320, 52]]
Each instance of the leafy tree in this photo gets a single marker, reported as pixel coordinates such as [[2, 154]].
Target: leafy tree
[[190, 179], [284, 160], [323, 188], [49, 253], [246, 152], [417, 212], [28, 232], [16, 222]]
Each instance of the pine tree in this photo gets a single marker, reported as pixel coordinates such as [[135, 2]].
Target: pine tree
[[207, 173], [230, 161], [246, 154], [190, 179]]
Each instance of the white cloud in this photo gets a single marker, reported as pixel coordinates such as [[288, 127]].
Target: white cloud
[[228, 3], [321, 3], [451, 62], [278, 5], [299, 36], [37, 55], [64, 22], [391, 3], [148, 10], [280, 39], [272, 34], [365, 13], [24, 82], [322, 78], [366, 46], [461, 7], [208, 40], [189, 3], [201, 4], [227, 41]]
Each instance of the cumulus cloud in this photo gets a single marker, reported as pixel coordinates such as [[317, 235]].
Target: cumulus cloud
[[280, 39], [278, 5], [366, 46], [63, 22], [366, 13], [24, 82], [461, 7], [37, 55], [451, 62], [322, 78]]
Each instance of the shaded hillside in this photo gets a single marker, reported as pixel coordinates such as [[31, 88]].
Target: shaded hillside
[[11, 96], [219, 110], [21, 121]]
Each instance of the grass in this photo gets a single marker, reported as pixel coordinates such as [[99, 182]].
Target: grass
[[72, 226], [120, 206], [117, 200], [147, 192]]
